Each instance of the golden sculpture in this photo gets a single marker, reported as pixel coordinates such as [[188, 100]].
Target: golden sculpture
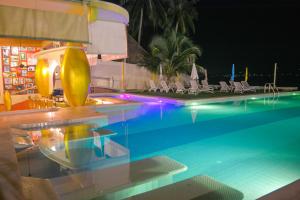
[[75, 76], [7, 101], [42, 77]]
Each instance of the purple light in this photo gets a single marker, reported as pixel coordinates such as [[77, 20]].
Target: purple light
[[148, 99]]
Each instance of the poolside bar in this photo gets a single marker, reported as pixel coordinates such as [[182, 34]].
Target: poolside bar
[[33, 50]]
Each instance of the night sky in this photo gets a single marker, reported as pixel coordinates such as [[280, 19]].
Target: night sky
[[252, 33]]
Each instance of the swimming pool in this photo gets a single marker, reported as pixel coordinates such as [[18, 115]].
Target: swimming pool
[[251, 145]]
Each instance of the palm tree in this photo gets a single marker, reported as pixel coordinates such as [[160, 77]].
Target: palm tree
[[139, 10], [182, 15], [174, 51]]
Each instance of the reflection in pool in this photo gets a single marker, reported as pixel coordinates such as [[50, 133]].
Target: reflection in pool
[[76, 148]]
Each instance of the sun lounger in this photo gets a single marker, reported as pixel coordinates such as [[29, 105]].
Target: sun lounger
[[224, 87], [164, 87], [198, 187], [194, 89], [232, 87], [180, 88], [238, 88], [118, 182], [152, 86], [207, 87], [247, 87]]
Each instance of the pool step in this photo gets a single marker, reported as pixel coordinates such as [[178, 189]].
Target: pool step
[[118, 182], [198, 187], [288, 192]]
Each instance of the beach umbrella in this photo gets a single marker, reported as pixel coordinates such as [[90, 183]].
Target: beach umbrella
[[275, 73], [246, 74], [205, 74], [194, 74], [232, 73], [160, 72]]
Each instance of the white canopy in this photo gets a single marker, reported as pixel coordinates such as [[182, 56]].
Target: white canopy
[[160, 73], [194, 74], [109, 39]]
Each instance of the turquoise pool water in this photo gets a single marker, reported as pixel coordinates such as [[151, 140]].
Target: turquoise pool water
[[252, 145]]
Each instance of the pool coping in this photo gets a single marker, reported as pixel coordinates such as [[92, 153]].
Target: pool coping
[[54, 109], [187, 102], [160, 99]]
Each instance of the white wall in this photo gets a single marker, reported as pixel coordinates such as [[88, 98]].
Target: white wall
[[109, 74]]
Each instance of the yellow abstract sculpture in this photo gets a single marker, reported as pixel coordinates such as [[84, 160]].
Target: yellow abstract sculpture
[[75, 76], [7, 101], [42, 77]]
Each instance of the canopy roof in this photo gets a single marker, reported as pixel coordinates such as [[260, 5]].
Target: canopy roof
[[99, 24]]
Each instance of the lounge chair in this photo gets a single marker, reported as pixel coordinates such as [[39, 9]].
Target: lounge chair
[[207, 87], [224, 87], [247, 87], [232, 87], [238, 88], [164, 87], [180, 88], [194, 89], [152, 86]]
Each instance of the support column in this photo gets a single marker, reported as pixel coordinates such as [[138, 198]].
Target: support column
[[123, 76]]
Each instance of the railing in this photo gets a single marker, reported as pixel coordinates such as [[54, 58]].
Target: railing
[[271, 87]]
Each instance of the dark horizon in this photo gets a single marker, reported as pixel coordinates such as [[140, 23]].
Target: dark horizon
[[252, 33]]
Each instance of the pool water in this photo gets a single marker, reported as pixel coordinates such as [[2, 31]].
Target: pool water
[[251, 145]]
